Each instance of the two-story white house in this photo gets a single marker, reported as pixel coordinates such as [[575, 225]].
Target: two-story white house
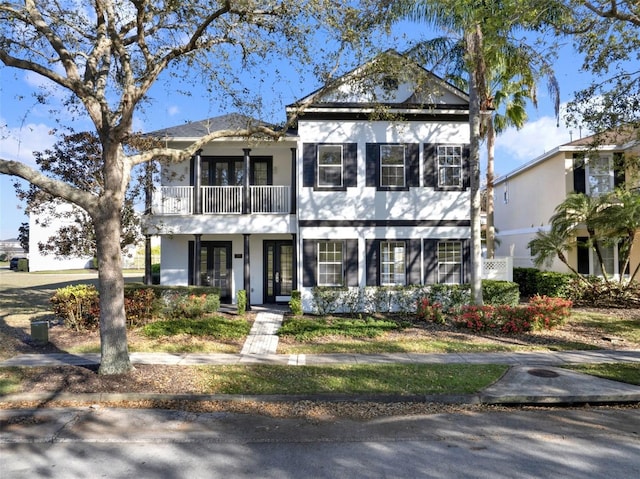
[[526, 198], [370, 188]]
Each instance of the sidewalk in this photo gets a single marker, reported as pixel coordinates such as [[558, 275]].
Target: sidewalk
[[533, 377]]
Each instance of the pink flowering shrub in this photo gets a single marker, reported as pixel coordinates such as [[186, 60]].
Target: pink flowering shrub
[[428, 311], [541, 313]]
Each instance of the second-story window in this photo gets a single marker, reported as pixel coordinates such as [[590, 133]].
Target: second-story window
[[392, 165], [330, 164], [449, 164], [599, 175]]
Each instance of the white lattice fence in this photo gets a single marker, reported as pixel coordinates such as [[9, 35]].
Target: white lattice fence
[[498, 268]]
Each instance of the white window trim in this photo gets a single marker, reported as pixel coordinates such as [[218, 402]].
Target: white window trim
[[449, 167], [341, 263], [610, 174], [319, 166], [403, 167], [449, 262], [393, 263]]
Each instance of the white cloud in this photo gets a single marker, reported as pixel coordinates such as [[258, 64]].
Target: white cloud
[[532, 140], [173, 110], [19, 143]]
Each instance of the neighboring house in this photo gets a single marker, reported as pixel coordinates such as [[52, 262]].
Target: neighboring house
[[527, 197], [354, 196], [40, 231]]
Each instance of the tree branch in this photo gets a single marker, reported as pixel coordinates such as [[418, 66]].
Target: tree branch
[[54, 187]]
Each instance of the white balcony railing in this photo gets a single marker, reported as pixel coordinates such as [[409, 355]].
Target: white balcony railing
[[221, 199], [178, 200], [270, 199]]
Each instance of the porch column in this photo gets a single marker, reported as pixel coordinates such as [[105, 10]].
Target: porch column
[[294, 262], [197, 183], [294, 176], [148, 279], [246, 208], [247, 271], [197, 257]]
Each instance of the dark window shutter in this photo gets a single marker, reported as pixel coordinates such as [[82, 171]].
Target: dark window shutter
[[350, 161], [429, 156], [372, 162], [412, 167], [618, 170], [579, 174], [373, 253], [413, 261], [191, 254], [466, 261], [309, 158], [430, 261], [466, 166], [352, 262], [583, 255], [309, 262]]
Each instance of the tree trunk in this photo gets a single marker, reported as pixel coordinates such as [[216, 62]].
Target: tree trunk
[[491, 230], [473, 41], [107, 220], [113, 324]]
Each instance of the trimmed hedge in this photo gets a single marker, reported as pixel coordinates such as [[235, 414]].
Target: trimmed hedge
[[544, 283]]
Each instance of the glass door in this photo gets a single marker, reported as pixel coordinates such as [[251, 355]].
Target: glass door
[[278, 271], [215, 267]]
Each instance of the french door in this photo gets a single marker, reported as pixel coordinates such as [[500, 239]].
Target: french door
[[278, 271], [215, 266]]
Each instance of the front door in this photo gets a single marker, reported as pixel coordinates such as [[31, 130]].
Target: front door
[[278, 271], [215, 267]]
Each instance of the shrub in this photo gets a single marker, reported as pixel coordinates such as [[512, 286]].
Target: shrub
[[500, 292], [295, 303], [450, 296], [140, 306], [325, 299], [541, 313], [527, 279], [242, 301], [23, 265], [550, 283], [77, 306], [181, 305], [598, 293], [548, 313], [431, 312]]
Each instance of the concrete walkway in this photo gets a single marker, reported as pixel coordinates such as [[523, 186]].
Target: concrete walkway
[[262, 338]]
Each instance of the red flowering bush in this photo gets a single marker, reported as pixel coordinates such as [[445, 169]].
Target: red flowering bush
[[541, 313], [428, 311], [548, 313], [140, 306]]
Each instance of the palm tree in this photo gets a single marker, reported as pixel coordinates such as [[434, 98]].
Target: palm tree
[[483, 30], [512, 75], [550, 244], [580, 210]]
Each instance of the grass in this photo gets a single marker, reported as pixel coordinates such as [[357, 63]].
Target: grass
[[610, 325], [622, 372], [401, 379], [309, 329], [215, 327], [10, 380]]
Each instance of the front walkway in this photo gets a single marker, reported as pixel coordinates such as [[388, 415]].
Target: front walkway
[[262, 338]]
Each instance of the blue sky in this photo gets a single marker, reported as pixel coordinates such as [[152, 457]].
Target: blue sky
[[25, 125]]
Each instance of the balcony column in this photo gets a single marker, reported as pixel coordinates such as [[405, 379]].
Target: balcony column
[[247, 181], [247, 271], [197, 259], [294, 176], [148, 277], [197, 183]]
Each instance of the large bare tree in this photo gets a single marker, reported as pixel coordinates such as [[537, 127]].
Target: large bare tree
[[107, 54]]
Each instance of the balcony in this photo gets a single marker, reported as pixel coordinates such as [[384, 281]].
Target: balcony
[[179, 200]]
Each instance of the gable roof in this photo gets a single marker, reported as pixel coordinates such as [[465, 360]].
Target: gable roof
[[608, 141], [197, 129], [390, 80]]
